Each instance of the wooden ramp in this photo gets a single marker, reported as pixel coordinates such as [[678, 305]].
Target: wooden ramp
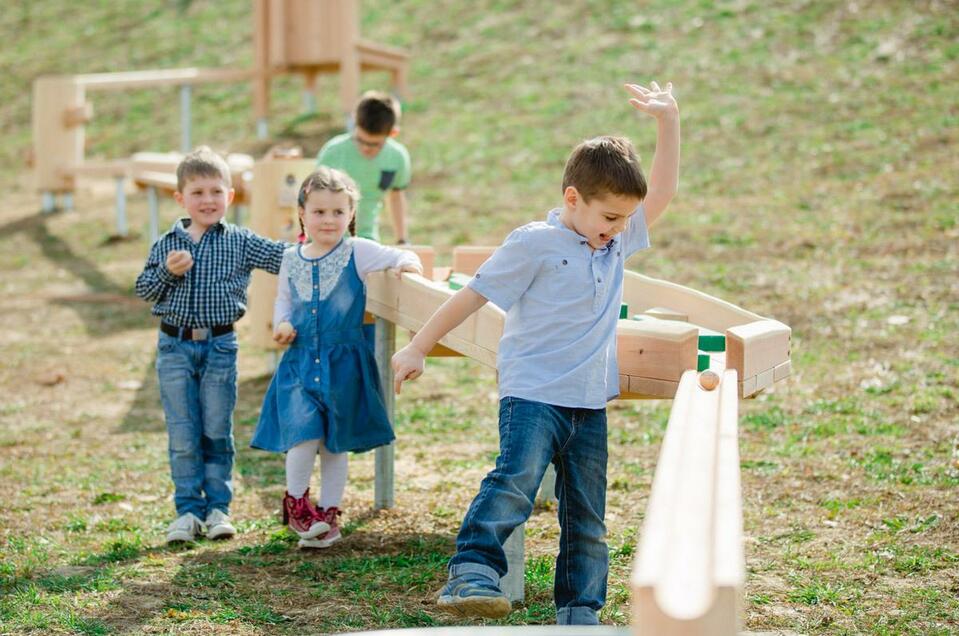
[[653, 352], [689, 571]]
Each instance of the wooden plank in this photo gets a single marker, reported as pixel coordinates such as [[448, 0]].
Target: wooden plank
[[764, 380], [757, 346], [689, 570], [161, 180], [747, 387], [468, 258], [105, 168], [427, 257], [652, 388], [782, 371], [664, 313], [643, 292], [161, 77], [659, 349]]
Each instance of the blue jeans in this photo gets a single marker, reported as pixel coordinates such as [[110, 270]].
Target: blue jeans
[[532, 435], [198, 392]]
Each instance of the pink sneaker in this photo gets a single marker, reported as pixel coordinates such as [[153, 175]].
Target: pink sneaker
[[332, 535], [302, 518]]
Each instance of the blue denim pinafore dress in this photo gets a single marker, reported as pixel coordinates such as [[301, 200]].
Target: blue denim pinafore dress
[[326, 386]]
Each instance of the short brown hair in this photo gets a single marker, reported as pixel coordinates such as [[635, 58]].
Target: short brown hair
[[202, 162], [605, 165], [377, 112]]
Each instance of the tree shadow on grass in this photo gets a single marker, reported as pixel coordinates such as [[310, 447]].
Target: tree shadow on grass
[[108, 307]]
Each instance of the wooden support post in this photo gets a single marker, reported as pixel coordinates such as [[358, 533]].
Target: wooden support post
[[383, 496], [261, 62], [547, 487], [276, 183], [513, 584], [59, 107]]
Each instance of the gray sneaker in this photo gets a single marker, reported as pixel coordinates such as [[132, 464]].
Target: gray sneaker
[[218, 525], [473, 596], [185, 529]]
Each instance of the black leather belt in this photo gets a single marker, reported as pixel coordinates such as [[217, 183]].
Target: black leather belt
[[188, 333]]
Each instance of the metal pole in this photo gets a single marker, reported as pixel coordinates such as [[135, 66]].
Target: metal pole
[[48, 202], [153, 204], [185, 145], [383, 352], [547, 487], [309, 102], [121, 207], [513, 584]]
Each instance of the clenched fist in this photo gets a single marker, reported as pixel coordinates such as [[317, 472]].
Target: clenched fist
[[178, 262]]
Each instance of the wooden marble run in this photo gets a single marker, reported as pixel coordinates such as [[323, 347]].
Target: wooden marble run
[[653, 352], [303, 37]]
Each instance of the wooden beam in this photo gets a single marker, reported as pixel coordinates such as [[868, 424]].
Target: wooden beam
[[690, 571], [468, 258], [757, 347]]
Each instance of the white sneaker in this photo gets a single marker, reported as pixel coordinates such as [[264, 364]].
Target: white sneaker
[[218, 525], [185, 528]]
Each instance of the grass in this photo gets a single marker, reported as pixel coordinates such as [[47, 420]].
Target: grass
[[817, 188]]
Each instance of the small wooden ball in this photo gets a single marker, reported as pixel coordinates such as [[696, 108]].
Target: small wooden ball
[[709, 380]]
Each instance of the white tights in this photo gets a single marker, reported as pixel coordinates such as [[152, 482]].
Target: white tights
[[333, 471]]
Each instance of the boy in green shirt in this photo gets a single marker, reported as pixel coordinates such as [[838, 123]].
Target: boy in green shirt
[[377, 163]]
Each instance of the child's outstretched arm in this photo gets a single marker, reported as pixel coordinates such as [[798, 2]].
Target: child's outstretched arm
[[373, 257], [664, 174], [409, 361]]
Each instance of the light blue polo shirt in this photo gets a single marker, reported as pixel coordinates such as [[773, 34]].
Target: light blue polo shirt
[[562, 301]]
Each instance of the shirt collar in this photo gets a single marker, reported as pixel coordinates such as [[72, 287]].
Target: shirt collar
[[183, 223]]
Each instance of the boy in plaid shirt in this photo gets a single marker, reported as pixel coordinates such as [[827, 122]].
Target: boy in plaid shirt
[[197, 275]]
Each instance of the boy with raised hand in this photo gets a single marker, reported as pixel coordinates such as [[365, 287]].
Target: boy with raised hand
[[197, 275], [560, 283], [378, 163]]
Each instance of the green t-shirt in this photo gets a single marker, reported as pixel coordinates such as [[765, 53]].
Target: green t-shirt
[[388, 170]]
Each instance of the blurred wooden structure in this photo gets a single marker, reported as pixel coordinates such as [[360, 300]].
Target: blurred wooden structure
[[313, 37], [305, 37]]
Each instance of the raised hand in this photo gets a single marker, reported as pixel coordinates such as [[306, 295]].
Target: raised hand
[[179, 262], [654, 101]]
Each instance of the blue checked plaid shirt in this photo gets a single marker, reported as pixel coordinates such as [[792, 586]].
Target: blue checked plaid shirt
[[213, 291]]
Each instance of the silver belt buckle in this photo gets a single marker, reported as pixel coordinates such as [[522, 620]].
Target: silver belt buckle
[[199, 334]]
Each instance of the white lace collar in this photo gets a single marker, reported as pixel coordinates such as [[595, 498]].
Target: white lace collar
[[330, 266]]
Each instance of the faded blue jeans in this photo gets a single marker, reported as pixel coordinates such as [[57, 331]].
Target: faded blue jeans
[[198, 392], [533, 434]]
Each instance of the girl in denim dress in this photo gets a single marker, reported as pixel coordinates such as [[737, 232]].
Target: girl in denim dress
[[325, 395]]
